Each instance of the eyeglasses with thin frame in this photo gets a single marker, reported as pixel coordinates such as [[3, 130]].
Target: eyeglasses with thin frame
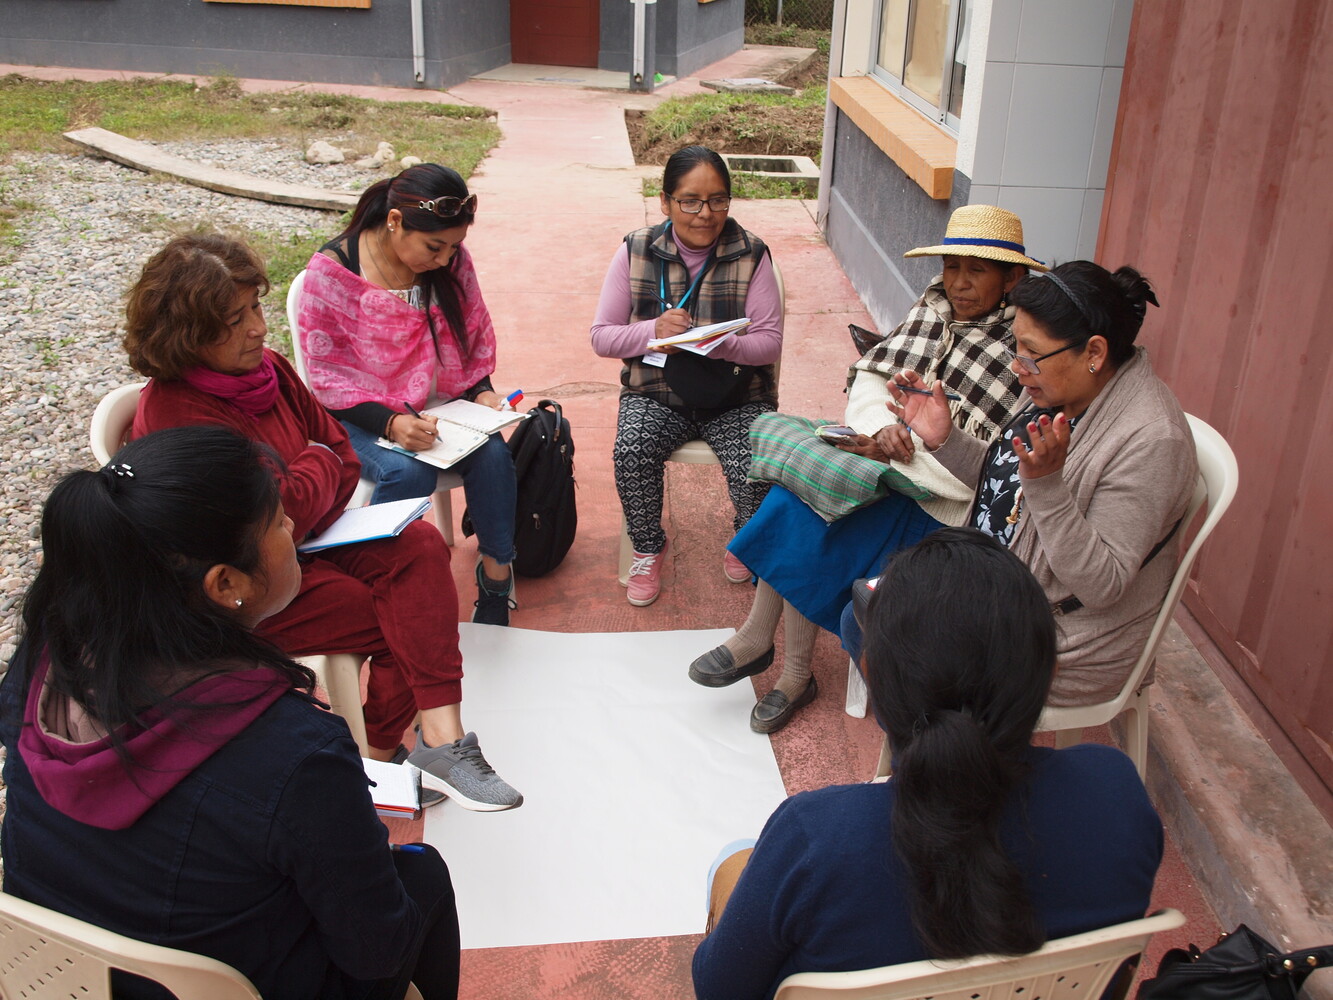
[[1030, 365], [449, 206], [693, 206]]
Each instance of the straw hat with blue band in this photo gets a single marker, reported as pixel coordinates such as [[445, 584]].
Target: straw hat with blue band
[[983, 231]]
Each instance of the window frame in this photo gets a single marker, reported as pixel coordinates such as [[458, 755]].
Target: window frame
[[939, 114]]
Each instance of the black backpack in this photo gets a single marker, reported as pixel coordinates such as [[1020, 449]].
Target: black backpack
[[545, 517]]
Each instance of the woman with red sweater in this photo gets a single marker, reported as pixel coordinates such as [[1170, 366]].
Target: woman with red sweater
[[196, 328]]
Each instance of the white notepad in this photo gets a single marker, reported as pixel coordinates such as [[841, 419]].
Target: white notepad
[[396, 788], [365, 524], [463, 428]]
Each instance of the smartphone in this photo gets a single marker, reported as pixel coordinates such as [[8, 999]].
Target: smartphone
[[831, 432]]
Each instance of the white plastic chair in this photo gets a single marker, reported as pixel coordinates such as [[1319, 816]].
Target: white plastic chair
[[445, 483], [45, 955], [1219, 476], [695, 452], [110, 426], [339, 674], [1072, 968]]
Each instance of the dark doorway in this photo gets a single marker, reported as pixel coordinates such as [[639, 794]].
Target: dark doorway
[[554, 32]]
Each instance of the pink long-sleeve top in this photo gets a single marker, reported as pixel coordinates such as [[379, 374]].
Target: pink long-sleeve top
[[761, 344]]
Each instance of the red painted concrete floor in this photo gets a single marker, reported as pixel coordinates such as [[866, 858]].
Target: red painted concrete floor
[[558, 193]]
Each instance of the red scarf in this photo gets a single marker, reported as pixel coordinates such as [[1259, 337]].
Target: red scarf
[[252, 393]]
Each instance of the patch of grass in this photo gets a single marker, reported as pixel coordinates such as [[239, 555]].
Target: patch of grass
[[744, 185], [11, 210], [788, 34], [34, 113], [286, 255], [678, 117]]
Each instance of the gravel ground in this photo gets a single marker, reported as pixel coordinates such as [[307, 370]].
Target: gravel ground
[[93, 225]]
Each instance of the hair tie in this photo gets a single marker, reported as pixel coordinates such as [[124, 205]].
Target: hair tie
[[1069, 294], [122, 469]]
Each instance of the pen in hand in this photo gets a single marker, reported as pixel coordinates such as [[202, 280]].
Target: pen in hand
[[413, 410], [926, 392]]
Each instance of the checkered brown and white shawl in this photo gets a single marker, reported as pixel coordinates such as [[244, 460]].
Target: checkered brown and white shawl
[[970, 357]]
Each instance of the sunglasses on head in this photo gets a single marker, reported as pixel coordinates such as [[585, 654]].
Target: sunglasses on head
[[450, 205]]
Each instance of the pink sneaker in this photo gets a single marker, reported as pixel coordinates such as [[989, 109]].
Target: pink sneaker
[[734, 569], [645, 578]]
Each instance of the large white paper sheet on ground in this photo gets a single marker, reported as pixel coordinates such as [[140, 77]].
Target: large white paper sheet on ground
[[633, 778]]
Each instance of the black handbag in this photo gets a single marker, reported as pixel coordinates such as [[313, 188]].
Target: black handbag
[[706, 383], [1241, 966]]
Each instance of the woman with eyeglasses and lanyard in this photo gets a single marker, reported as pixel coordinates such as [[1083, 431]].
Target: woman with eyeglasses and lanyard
[[696, 268], [391, 321], [1088, 484]]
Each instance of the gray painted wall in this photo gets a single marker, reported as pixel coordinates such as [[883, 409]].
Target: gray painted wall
[[275, 42], [690, 34], [876, 213]]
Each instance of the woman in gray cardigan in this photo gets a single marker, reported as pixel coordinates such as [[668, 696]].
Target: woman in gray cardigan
[[1088, 484]]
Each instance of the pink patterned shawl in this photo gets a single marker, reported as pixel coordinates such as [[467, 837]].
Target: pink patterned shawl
[[363, 344]]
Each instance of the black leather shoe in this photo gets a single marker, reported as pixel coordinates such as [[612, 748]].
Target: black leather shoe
[[716, 669], [774, 710]]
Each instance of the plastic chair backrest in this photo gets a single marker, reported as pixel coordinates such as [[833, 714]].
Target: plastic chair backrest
[[112, 419], [1219, 476], [1072, 968], [293, 301], [45, 954]]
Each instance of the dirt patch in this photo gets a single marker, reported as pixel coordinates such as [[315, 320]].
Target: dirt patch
[[744, 128]]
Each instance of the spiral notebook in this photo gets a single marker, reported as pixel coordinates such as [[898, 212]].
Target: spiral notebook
[[367, 524], [463, 428]]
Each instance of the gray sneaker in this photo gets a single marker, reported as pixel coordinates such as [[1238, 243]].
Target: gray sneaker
[[460, 771], [429, 796]]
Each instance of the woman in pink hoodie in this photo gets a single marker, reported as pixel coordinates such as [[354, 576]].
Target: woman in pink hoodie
[[169, 775]]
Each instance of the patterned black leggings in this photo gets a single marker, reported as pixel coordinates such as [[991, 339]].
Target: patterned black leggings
[[647, 432]]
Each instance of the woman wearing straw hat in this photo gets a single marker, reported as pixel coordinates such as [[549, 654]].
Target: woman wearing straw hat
[[958, 333]]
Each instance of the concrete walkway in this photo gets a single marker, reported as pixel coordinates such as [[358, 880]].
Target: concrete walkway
[[556, 197]]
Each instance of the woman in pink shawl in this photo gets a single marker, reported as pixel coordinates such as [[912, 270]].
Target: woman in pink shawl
[[392, 321]]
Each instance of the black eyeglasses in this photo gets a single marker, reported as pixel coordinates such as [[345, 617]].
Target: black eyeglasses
[[450, 205], [1029, 365], [693, 206]]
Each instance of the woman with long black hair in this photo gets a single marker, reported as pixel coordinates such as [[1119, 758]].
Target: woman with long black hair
[[392, 321], [980, 843], [168, 774]]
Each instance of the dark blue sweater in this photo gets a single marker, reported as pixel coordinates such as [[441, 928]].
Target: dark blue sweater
[[269, 857], [824, 892]]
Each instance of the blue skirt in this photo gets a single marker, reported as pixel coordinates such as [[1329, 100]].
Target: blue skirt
[[812, 563]]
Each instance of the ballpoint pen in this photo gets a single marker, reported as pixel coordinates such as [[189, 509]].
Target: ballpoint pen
[[926, 392], [413, 410]]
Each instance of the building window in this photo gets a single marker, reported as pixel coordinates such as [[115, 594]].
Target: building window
[[304, 3], [921, 54]]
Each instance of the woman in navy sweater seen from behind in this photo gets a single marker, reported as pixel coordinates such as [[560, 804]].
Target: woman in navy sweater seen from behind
[[980, 843]]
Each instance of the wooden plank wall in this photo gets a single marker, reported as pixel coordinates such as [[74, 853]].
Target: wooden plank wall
[[1221, 191]]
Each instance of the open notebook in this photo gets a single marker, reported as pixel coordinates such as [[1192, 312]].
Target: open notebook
[[463, 428], [395, 788], [365, 524]]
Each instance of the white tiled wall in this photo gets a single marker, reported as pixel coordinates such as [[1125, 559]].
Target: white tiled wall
[[1047, 116]]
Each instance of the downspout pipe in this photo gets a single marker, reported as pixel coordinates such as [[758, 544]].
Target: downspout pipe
[[643, 46], [418, 45], [836, 43]]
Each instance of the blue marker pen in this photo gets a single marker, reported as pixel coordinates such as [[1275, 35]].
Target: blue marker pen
[[408, 848]]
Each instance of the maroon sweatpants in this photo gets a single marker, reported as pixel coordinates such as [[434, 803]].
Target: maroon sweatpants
[[393, 601]]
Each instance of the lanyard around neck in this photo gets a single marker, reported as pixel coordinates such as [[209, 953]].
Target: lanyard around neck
[[698, 278]]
